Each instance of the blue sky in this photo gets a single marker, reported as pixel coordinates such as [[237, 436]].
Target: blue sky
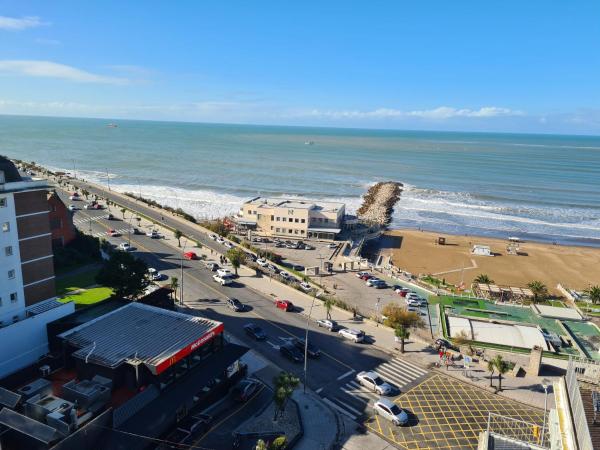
[[524, 66]]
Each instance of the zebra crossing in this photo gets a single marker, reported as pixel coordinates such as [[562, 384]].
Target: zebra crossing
[[85, 220], [352, 399], [121, 231]]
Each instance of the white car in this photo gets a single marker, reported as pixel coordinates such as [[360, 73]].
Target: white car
[[372, 380], [220, 240], [308, 247], [305, 286], [412, 302], [72, 207], [262, 262], [331, 325], [392, 412], [213, 237], [352, 334], [362, 274], [74, 197], [224, 273], [125, 247], [153, 234], [228, 244], [413, 295], [285, 275], [373, 281], [332, 245], [223, 281], [155, 275]]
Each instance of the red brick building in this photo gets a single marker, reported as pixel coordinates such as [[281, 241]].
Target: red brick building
[[61, 221]]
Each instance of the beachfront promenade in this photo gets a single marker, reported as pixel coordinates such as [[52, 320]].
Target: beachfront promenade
[[420, 352]]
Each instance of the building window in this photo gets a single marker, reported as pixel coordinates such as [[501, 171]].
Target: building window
[[284, 219], [296, 220], [11, 274], [278, 219], [272, 218], [302, 221], [2, 202], [290, 231], [301, 231], [271, 227], [8, 250], [13, 297], [5, 227], [295, 231], [278, 229]]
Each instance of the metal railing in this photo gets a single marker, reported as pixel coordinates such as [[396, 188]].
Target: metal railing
[[576, 369], [586, 370], [518, 430]]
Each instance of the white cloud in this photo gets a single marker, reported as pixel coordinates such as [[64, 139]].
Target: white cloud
[[440, 113], [50, 69], [16, 24]]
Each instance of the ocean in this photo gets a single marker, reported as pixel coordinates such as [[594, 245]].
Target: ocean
[[538, 187]]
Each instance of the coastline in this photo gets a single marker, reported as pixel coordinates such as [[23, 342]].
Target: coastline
[[417, 252]]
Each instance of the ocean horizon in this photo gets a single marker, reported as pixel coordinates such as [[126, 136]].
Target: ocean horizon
[[538, 187]]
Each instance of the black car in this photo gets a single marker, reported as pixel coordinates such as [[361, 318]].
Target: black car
[[110, 217], [311, 350], [213, 267], [255, 331], [245, 389], [137, 231], [291, 352], [235, 305], [443, 343]]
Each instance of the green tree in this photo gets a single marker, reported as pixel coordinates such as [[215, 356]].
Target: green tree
[[178, 235], [278, 443], [123, 210], [401, 333], [174, 285], [501, 368], [235, 256], [284, 383], [328, 304], [483, 279], [594, 294], [539, 289], [125, 274], [490, 368]]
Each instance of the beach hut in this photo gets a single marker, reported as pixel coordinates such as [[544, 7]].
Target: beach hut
[[481, 250]]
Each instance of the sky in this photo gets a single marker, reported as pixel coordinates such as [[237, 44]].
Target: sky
[[513, 66]]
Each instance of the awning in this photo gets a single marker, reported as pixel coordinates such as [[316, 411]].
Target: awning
[[325, 230]]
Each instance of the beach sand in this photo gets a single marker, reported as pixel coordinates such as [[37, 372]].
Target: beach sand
[[418, 252]]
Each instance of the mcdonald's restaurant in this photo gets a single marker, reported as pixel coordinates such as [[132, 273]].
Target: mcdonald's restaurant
[[134, 370]]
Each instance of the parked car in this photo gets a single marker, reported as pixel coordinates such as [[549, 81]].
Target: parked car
[[273, 269], [305, 286], [137, 231], [255, 331], [380, 284], [352, 334], [367, 276], [291, 352], [124, 246], [372, 380], [311, 350], [262, 262], [245, 389], [443, 343], [291, 245], [190, 255], [285, 305], [235, 305], [223, 281], [222, 272], [154, 274], [332, 245], [392, 412], [153, 234], [331, 325], [285, 275], [74, 197], [362, 274], [371, 281], [88, 206], [228, 244], [412, 302], [72, 207], [113, 233], [213, 237], [213, 267], [308, 247], [220, 240]]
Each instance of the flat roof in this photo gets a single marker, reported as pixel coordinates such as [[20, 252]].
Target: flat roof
[[295, 203], [138, 333]]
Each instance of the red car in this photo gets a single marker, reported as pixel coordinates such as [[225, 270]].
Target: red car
[[113, 233], [286, 305], [190, 255], [366, 277]]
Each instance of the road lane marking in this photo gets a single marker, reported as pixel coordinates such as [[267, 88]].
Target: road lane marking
[[339, 408], [413, 365], [318, 391], [276, 347], [405, 368], [378, 424], [347, 374]]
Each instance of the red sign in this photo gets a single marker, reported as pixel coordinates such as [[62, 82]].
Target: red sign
[[162, 366]]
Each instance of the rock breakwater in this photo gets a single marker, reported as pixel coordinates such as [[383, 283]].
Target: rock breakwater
[[378, 203]]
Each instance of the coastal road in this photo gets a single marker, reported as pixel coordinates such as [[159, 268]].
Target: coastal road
[[328, 375]]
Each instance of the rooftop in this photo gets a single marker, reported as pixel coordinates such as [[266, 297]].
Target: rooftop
[[295, 204], [138, 333]]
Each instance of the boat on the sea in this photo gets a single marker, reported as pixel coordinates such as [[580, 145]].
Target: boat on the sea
[[309, 142], [112, 125]]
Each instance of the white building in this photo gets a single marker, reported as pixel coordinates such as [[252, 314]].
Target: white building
[[481, 250], [27, 293]]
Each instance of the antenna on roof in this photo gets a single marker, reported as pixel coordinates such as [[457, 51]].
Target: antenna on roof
[[88, 355]]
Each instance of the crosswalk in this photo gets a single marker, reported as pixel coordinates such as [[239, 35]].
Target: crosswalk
[[352, 399], [121, 231], [85, 220]]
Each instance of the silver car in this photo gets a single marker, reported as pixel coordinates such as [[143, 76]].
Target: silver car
[[373, 381], [392, 412]]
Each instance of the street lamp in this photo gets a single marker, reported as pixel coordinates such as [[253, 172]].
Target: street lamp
[[306, 337], [545, 385]]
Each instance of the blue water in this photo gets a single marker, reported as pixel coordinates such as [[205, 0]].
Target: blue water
[[538, 187]]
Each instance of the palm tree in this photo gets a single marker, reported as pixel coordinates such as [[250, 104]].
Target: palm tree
[[594, 294], [123, 210], [178, 235], [483, 279], [490, 368], [539, 289], [328, 304], [501, 368], [174, 286], [401, 333], [285, 383]]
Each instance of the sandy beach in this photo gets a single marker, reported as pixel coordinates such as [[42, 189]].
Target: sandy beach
[[418, 252]]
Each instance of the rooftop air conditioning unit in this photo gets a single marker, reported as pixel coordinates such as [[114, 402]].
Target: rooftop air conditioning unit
[[45, 370]]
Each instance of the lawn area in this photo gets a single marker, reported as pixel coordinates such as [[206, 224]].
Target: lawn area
[[79, 280], [556, 303], [588, 308], [88, 296]]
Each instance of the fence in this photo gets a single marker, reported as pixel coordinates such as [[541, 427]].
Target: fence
[[575, 370], [518, 430]]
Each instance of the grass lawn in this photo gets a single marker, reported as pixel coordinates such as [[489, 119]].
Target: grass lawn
[[78, 281], [556, 303], [89, 296]]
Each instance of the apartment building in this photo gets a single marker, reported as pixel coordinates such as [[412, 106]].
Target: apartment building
[[61, 221], [292, 218], [27, 292]]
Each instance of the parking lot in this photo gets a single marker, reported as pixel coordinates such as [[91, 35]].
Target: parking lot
[[306, 258], [445, 413]]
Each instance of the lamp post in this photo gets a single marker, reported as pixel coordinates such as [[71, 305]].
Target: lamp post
[[181, 284], [545, 385]]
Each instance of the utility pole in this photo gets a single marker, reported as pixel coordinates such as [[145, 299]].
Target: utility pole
[[107, 180], [74, 170]]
